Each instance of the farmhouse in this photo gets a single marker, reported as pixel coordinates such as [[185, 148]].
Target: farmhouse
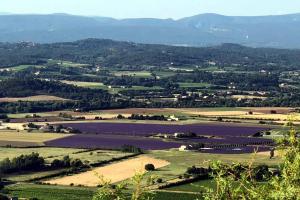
[[56, 129], [173, 118], [188, 147], [185, 135]]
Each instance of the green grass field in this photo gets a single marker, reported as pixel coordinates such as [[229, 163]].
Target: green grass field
[[94, 156], [58, 153], [163, 195], [93, 85], [210, 69], [163, 74], [193, 187], [194, 85], [46, 192], [25, 177], [138, 88], [141, 74], [66, 63], [47, 153], [23, 67], [180, 161]]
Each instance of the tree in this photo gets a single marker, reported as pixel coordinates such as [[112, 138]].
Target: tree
[[3, 116], [22, 163], [120, 116], [272, 153], [32, 126], [220, 119], [1, 184], [67, 161], [77, 163], [149, 167], [57, 163]]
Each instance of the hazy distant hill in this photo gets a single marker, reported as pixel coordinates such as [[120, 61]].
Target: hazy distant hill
[[128, 55], [201, 30]]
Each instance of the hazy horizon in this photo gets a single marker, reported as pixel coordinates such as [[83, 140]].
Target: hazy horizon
[[7, 13], [174, 9]]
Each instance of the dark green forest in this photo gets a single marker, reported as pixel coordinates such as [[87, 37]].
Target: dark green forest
[[109, 53]]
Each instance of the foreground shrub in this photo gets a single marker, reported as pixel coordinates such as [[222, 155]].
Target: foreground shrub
[[118, 192], [285, 186]]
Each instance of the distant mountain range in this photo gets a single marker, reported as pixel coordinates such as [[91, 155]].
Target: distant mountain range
[[280, 31]]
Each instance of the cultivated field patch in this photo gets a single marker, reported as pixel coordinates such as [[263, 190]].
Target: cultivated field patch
[[6, 143], [14, 138], [180, 161], [217, 113], [94, 85], [139, 129], [33, 98], [133, 73], [115, 172], [95, 156], [279, 117], [94, 141], [248, 97], [46, 152]]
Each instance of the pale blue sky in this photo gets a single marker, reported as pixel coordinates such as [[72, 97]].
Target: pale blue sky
[[151, 8]]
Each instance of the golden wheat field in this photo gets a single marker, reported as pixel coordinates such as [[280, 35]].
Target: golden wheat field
[[23, 136], [115, 172]]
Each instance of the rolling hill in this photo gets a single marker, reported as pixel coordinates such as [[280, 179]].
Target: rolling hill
[[108, 53], [202, 30]]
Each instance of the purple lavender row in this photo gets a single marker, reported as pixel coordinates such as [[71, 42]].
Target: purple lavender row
[[150, 129], [116, 142], [111, 142]]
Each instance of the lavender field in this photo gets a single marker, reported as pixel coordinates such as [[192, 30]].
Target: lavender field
[[151, 129], [221, 138], [231, 140], [235, 145], [111, 142]]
